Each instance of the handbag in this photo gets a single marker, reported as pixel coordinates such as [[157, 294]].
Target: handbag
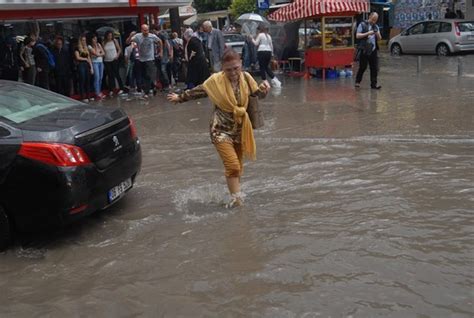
[[255, 114], [273, 64]]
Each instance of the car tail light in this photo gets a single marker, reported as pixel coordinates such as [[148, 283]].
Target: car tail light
[[61, 155], [78, 209], [133, 129], [456, 28]]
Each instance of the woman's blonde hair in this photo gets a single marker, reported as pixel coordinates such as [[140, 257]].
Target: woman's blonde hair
[[81, 47]]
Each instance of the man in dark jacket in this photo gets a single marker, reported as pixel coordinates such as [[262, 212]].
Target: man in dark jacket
[[42, 65], [368, 34], [9, 63], [62, 70]]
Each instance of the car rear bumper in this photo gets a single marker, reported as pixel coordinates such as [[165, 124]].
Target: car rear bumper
[[463, 47], [54, 196]]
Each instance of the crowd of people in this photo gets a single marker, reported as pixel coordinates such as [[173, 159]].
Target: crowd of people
[[93, 66]]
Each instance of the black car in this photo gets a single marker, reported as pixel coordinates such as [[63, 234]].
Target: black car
[[60, 159]]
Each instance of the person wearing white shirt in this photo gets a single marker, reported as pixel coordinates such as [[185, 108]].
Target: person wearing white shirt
[[264, 45], [111, 62]]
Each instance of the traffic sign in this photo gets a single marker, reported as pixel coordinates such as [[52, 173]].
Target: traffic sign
[[263, 4]]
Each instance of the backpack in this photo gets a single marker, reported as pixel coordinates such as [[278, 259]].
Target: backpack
[[49, 55]]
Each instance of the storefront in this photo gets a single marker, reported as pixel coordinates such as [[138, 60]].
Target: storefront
[[326, 31], [70, 18]]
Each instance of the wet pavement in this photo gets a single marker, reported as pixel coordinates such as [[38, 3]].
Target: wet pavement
[[360, 205]]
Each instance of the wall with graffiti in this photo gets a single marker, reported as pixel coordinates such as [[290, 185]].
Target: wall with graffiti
[[408, 12]]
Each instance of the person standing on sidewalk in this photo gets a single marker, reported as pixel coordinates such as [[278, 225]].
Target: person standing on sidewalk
[[197, 69], [62, 71], [28, 61], [230, 128], [264, 45], [84, 68], [43, 67], [368, 34], [9, 64], [112, 51], [146, 44], [215, 44], [97, 57], [166, 58]]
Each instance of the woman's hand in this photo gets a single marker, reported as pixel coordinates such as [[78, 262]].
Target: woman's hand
[[173, 97], [264, 87]]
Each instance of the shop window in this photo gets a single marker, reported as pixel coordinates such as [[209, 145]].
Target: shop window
[[310, 34], [338, 32]]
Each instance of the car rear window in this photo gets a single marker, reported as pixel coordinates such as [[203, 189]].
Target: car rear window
[[20, 103], [234, 38], [467, 26]]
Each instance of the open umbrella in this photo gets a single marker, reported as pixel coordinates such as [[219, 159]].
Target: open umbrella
[[251, 17]]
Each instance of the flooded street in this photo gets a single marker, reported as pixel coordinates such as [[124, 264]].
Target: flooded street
[[360, 204]]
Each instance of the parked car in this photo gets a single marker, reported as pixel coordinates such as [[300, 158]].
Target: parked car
[[234, 40], [60, 159], [441, 37]]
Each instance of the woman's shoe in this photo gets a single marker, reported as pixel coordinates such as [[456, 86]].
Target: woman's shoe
[[275, 82], [235, 201]]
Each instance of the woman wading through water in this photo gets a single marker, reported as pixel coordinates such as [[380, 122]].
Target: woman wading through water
[[230, 127]]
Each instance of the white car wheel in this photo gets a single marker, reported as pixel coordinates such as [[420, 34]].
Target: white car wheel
[[396, 49], [442, 50]]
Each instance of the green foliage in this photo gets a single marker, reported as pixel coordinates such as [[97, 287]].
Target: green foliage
[[203, 6], [239, 7]]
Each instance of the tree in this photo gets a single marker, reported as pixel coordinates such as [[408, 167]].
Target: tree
[[239, 7], [203, 6]]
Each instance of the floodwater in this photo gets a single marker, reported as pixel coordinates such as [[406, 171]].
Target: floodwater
[[360, 205]]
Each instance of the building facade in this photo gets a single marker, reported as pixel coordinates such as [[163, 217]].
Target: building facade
[[408, 12], [72, 17]]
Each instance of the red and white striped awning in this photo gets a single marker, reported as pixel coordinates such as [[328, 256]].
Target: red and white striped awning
[[301, 9]]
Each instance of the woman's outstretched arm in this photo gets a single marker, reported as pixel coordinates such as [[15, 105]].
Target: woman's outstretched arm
[[189, 94]]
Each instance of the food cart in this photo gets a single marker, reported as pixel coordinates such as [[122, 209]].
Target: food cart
[[328, 37]]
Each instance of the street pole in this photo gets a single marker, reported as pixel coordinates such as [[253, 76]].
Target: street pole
[[460, 66], [175, 21]]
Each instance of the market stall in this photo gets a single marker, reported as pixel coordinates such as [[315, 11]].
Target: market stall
[[327, 30]]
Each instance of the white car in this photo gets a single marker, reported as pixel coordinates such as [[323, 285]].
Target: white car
[[234, 40], [441, 37]]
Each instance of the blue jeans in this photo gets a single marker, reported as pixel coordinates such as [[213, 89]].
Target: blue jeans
[[98, 76], [84, 77]]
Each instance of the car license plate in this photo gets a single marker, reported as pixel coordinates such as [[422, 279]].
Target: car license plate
[[117, 191]]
